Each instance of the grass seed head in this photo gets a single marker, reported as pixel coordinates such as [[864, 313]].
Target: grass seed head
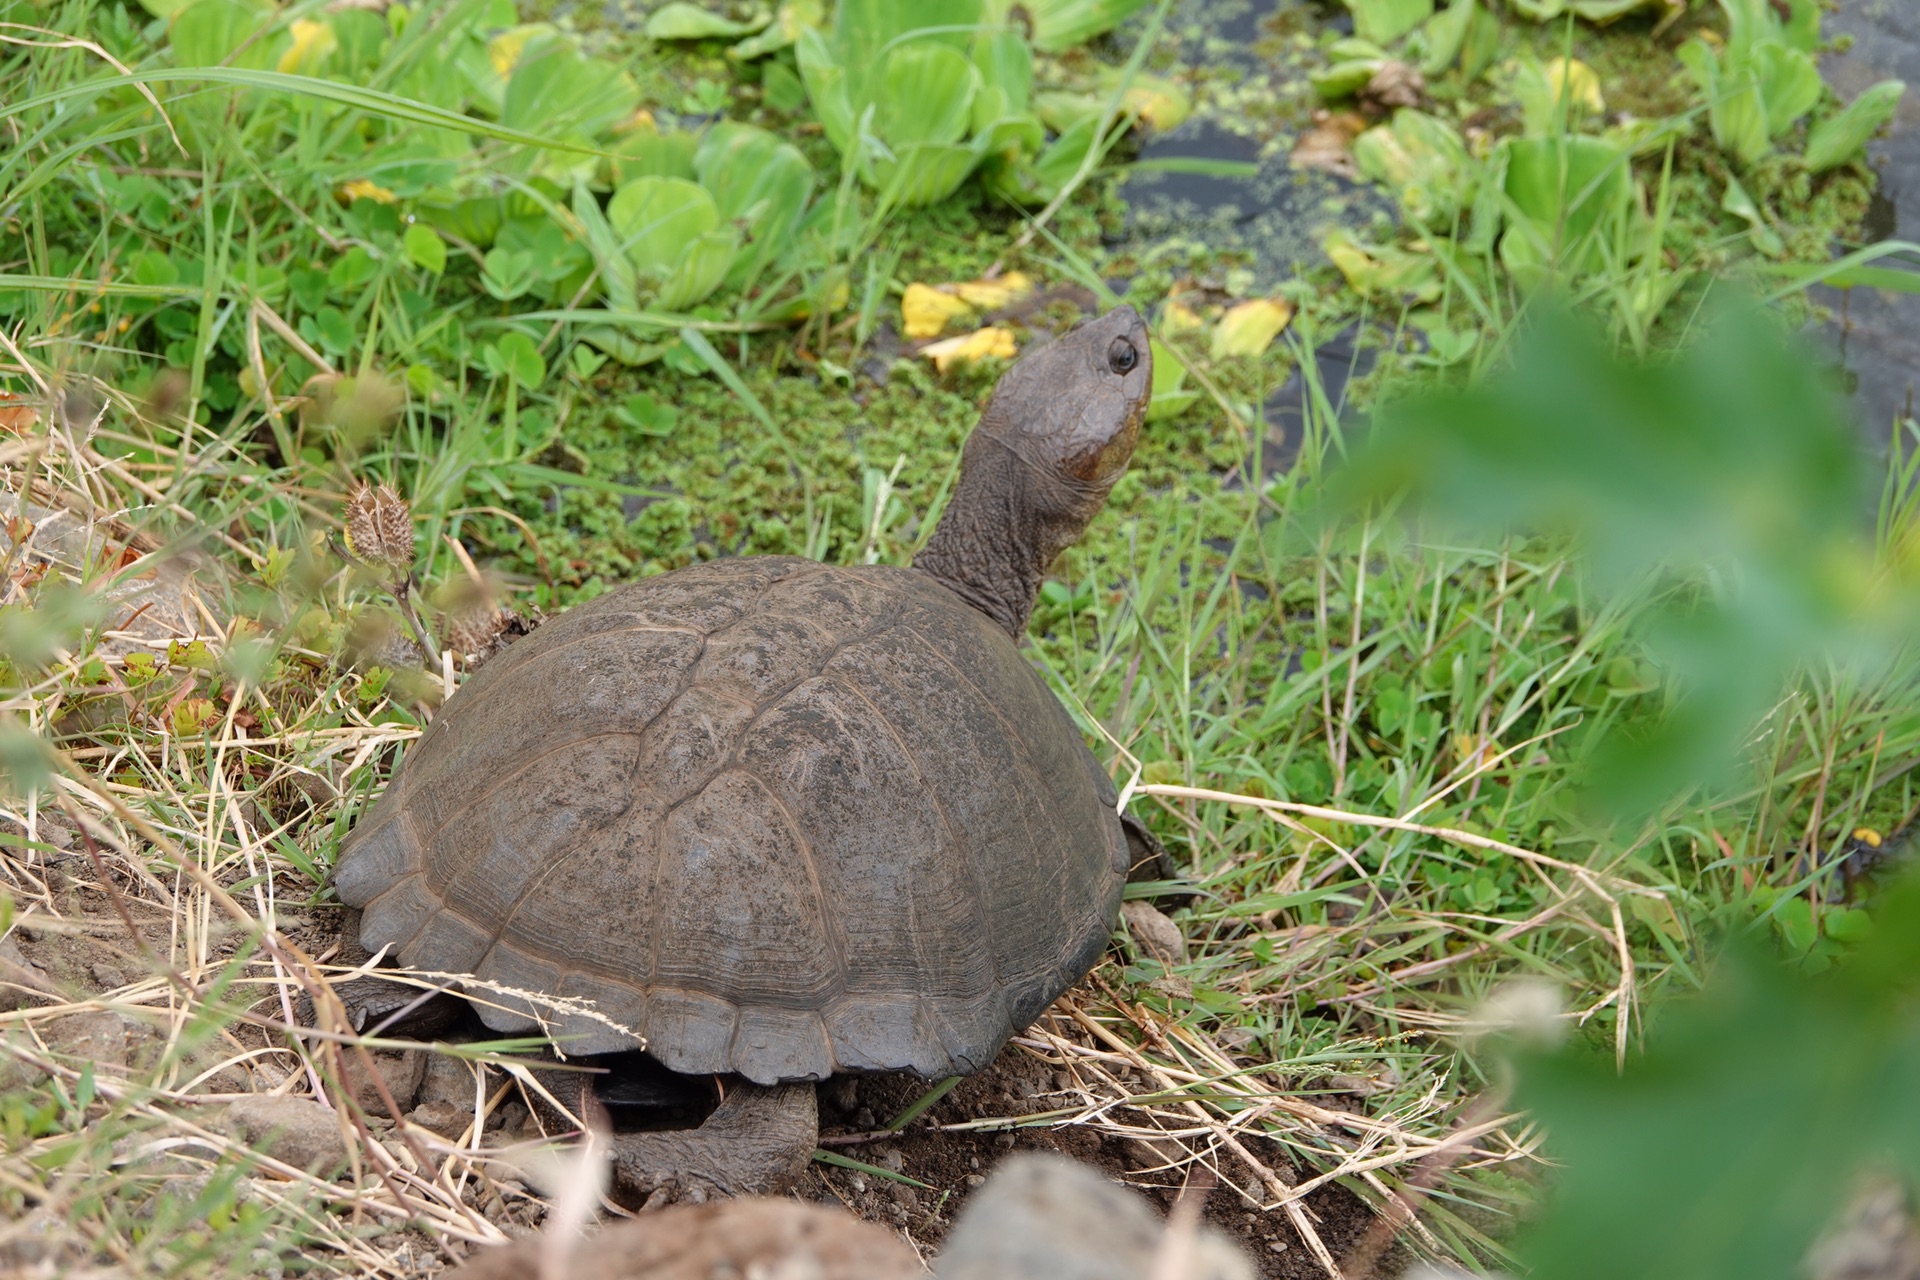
[[379, 527]]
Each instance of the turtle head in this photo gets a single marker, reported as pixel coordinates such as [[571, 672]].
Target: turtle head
[[1071, 410], [1056, 436]]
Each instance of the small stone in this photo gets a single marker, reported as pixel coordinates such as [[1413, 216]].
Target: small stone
[[864, 1118], [1062, 1082], [295, 1131], [1155, 934], [108, 976], [974, 1179], [1278, 1246], [442, 1118], [400, 1071], [891, 1161], [973, 1162], [1047, 1217], [99, 1038], [22, 982], [728, 1238], [1004, 1141], [446, 1079]]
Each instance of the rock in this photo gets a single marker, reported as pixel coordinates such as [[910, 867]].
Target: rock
[[100, 1038], [1876, 1238], [1156, 935], [296, 1131], [750, 1237], [447, 1079], [22, 982], [399, 1070], [1048, 1218], [443, 1118]]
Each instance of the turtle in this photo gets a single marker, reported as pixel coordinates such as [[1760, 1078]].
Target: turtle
[[771, 820]]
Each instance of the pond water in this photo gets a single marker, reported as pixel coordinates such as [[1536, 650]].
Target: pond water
[[1875, 331], [1225, 182]]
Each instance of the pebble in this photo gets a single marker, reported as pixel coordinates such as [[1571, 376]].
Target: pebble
[[400, 1071], [296, 1131], [1049, 1218], [1157, 935], [443, 1118]]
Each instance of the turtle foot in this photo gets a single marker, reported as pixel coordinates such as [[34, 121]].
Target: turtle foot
[[758, 1140]]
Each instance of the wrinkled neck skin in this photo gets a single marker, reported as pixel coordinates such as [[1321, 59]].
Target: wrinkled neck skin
[[1002, 529]]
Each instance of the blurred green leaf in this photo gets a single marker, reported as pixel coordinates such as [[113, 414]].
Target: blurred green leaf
[[1423, 161], [1061, 24], [1383, 21], [1729, 468], [1840, 138], [1721, 1152], [516, 355], [682, 21], [425, 249]]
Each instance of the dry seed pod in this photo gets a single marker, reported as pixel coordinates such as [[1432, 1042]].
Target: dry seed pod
[[379, 527]]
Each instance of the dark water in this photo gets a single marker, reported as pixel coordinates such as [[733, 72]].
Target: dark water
[[1876, 332]]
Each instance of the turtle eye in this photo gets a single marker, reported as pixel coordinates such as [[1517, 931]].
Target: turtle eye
[[1121, 356]]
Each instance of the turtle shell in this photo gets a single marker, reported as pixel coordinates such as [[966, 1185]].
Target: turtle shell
[[774, 817]]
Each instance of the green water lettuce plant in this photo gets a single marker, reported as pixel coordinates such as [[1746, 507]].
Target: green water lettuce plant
[[1763, 81], [917, 96]]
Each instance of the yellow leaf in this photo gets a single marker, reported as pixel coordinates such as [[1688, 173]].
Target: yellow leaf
[[504, 49], [1572, 78], [968, 347], [925, 310], [312, 41], [366, 189], [1248, 328], [1162, 104], [1868, 837], [1178, 317], [988, 295]]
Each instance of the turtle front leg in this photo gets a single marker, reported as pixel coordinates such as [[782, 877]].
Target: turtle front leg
[[757, 1141]]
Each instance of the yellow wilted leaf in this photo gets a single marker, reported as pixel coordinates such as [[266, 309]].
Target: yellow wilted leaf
[[504, 50], [1161, 103], [1574, 79], [1178, 317], [366, 189], [1249, 327], [987, 295], [1868, 837], [312, 41], [968, 347], [925, 310]]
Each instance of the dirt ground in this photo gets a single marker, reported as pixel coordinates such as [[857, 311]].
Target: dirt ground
[[952, 1164], [84, 949]]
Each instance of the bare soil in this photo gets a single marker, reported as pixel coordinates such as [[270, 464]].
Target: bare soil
[[952, 1164]]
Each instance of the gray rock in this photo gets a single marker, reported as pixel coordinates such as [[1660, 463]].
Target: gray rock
[[296, 1131], [1156, 935], [400, 1071], [1875, 1238], [1048, 1218], [446, 1079], [443, 1118], [22, 982]]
